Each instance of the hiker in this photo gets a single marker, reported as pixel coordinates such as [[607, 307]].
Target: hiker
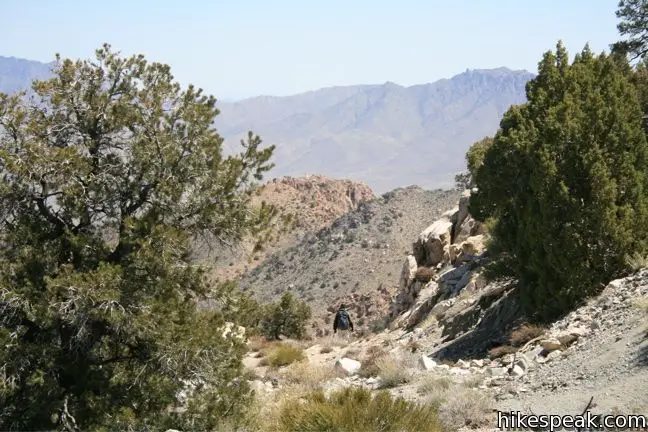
[[342, 320]]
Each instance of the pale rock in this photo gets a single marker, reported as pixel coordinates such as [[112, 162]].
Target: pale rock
[[553, 355], [497, 371], [409, 271], [517, 371], [472, 246], [459, 371], [479, 363], [463, 364], [348, 366], [444, 367], [431, 243], [426, 363]]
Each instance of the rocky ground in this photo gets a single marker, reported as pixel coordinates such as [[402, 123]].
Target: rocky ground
[[603, 354], [459, 341], [357, 259]]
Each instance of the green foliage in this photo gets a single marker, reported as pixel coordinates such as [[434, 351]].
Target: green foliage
[[284, 354], [355, 410], [633, 15], [238, 307], [109, 172], [564, 182], [287, 317], [476, 153]]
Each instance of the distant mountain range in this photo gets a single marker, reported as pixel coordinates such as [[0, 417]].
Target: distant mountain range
[[386, 135]]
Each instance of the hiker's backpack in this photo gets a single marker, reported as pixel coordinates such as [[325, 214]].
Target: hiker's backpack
[[343, 320]]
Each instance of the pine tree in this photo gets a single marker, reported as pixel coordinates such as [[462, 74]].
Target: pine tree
[[565, 181], [109, 171]]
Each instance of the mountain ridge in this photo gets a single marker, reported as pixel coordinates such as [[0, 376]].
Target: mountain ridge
[[386, 135]]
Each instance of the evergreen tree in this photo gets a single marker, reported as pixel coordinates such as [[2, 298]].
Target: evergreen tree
[[287, 317], [564, 181], [109, 171], [634, 25]]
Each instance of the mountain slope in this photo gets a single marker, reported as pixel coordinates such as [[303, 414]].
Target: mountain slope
[[356, 259], [17, 74], [386, 135]]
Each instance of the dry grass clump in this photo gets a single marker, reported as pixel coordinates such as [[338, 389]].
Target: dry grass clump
[[354, 409], [464, 407], [284, 354], [434, 386], [424, 274], [326, 349], [369, 367], [392, 373], [525, 333], [308, 376]]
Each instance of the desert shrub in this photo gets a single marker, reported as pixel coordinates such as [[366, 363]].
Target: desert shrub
[[369, 367], [570, 162], [284, 354], [287, 317], [392, 373], [464, 407], [432, 384], [424, 274], [525, 333], [326, 349], [307, 375], [355, 410]]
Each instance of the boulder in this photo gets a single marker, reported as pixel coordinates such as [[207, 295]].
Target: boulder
[[431, 244], [426, 363], [409, 271], [348, 366], [471, 247], [517, 371], [497, 371]]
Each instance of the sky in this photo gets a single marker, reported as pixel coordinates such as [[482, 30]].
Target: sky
[[243, 48]]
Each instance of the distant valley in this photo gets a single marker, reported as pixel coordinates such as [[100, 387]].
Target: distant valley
[[387, 135]]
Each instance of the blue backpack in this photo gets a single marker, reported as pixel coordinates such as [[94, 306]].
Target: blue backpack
[[343, 320]]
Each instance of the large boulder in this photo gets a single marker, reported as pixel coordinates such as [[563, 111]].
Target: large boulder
[[347, 366], [432, 244]]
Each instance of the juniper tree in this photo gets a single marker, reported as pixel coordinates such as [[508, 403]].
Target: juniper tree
[[109, 170], [565, 181]]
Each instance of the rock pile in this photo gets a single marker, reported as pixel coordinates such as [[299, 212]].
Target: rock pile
[[445, 260]]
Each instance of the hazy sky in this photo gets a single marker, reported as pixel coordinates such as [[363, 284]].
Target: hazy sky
[[242, 48]]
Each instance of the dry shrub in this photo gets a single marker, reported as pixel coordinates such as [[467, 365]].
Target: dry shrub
[[434, 387], [284, 354], [413, 346], [264, 362], [524, 334], [473, 381], [463, 407], [429, 322], [307, 375], [424, 274], [368, 367], [392, 373], [354, 409], [501, 351]]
